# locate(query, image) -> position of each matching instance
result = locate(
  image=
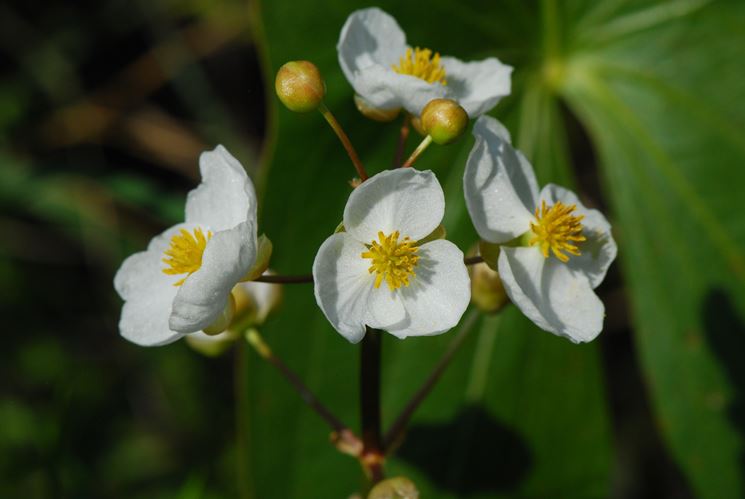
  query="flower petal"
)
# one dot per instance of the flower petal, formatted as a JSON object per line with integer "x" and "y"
{"x": 228, "y": 256}
{"x": 439, "y": 293}
{"x": 383, "y": 88}
{"x": 344, "y": 289}
{"x": 144, "y": 319}
{"x": 226, "y": 196}
{"x": 369, "y": 37}
{"x": 499, "y": 184}
{"x": 404, "y": 200}
{"x": 600, "y": 249}
{"x": 555, "y": 297}
{"x": 148, "y": 293}
{"x": 479, "y": 85}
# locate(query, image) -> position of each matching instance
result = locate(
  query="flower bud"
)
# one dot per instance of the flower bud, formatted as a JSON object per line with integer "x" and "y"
{"x": 224, "y": 319}
{"x": 212, "y": 346}
{"x": 438, "y": 233}
{"x": 487, "y": 290}
{"x": 263, "y": 255}
{"x": 299, "y": 86}
{"x": 394, "y": 488}
{"x": 490, "y": 253}
{"x": 444, "y": 120}
{"x": 373, "y": 113}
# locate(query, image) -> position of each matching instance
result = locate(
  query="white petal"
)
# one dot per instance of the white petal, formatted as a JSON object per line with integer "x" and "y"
{"x": 438, "y": 295}
{"x": 344, "y": 289}
{"x": 144, "y": 318}
{"x": 600, "y": 249}
{"x": 499, "y": 184}
{"x": 148, "y": 293}
{"x": 228, "y": 256}
{"x": 370, "y": 37}
{"x": 383, "y": 88}
{"x": 404, "y": 200}
{"x": 226, "y": 196}
{"x": 551, "y": 294}
{"x": 479, "y": 85}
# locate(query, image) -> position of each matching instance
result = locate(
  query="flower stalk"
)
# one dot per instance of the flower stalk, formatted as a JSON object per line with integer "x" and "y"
{"x": 395, "y": 433}
{"x": 419, "y": 150}
{"x": 254, "y": 338}
{"x": 405, "y": 128}
{"x": 339, "y": 131}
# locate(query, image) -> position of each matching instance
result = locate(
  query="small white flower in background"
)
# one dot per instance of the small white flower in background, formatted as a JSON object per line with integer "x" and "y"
{"x": 181, "y": 284}
{"x": 564, "y": 249}
{"x": 254, "y": 301}
{"x": 377, "y": 273}
{"x": 388, "y": 74}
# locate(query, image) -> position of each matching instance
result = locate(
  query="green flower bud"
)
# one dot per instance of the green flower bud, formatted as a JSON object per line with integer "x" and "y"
{"x": 263, "y": 255}
{"x": 490, "y": 253}
{"x": 224, "y": 319}
{"x": 487, "y": 291}
{"x": 394, "y": 488}
{"x": 444, "y": 120}
{"x": 299, "y": 86}
{"x": 214, "y": 345}
{"x": 373, "y": 113}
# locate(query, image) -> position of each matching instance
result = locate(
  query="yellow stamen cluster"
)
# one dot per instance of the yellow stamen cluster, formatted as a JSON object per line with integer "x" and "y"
{"x": 422, "y": 64}
{"x": 392, "y": 260}
{"x": 556, "y": 229}
{"x": 184, "y": 255}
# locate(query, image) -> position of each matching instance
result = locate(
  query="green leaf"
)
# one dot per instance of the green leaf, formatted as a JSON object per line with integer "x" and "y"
{"x": 534, "y": 401}
{"x": 659, "y": 88}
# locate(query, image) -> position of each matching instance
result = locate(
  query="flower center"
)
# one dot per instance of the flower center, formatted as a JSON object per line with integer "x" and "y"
{"x": 184, "y": 255}
{"x": 556, "y": 229}
{"x": 391, "y": 260}
{"x": 422, "y": 64}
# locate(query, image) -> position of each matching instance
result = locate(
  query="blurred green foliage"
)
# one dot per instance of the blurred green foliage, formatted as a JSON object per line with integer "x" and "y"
{"x": 103, "y": 111}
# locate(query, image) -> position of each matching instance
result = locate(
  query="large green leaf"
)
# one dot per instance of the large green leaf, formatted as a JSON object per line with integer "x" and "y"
{"x": 520, "y": 412}
{"x": 659, "y": 87}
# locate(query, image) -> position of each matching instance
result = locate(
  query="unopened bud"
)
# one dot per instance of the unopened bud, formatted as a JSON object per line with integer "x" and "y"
{"x": 487, "y": 290}
{"x": 490, "y": 253}
{"x": 212, "y": 346}
{"x": 299, "y": 86}
{"x": 438, "y": 233}
{"x": 263, "y": 255}
{"x": 444, "y": 120}
{"x": 224, "y": 319}
{"x": 394, "y": 488}
{"x": 374, "y": 113}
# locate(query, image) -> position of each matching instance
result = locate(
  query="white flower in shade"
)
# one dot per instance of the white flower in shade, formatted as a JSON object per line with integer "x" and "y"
{"x": 182, "y": 282}
{"x": 379, "y": 272}
{"x": 563, "y": 250}
{"x": 254, "y": 301}
{"x": 388, "y": 74}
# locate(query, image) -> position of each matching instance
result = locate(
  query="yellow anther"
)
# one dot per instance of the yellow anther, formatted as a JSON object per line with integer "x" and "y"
{"x": 184, "y": 255}
{"x": 392, "y": 260}
{"x": 556, "y": 229}
{"x": 422, "y": 64}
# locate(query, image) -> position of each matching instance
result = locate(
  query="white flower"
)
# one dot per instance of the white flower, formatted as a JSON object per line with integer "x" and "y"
{"x": 377, "y": 273}
{"x": 182, "y": 282}
{"x": 565, "y": 248}
{"x": 388, "y": 74}
{"x": 253, "y": 303}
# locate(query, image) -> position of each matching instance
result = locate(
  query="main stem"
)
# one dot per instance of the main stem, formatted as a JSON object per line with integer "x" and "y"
{"x": 372, "y": 450}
